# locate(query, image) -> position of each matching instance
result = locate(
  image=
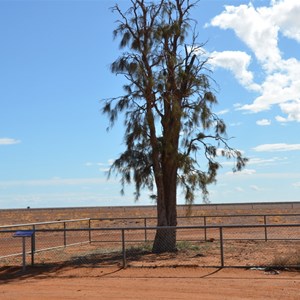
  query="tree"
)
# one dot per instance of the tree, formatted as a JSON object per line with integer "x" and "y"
{"x": 167, "y": 109}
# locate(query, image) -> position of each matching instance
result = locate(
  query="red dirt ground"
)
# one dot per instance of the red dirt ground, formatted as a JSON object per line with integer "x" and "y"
{"x": 96, "y": 282}
{"x": 149, "y": 283}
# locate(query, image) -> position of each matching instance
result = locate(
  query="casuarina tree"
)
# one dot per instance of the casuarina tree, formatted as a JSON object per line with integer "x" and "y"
{"x": 172, "y": 136}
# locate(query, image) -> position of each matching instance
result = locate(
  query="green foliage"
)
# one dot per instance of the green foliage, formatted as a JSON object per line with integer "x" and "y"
{"x": 168, "y": 102}
{"x": 142, "y": 247}
{"x": 185, "y": 245}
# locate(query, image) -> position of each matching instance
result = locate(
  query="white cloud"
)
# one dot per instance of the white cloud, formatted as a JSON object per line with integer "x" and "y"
{"x": 259, "y": 29}
{"x": 9, "y": 141}
{"x": 88, "y": 164}
{"x": 264, "y": 162}
{"x": 263, "y": 122}
{"x": 111, "y": 161}
{"x": 280, "y": 88}
{"x": 237, "y": 62}
{"x": 237, "y": 105}
{"x": 254, "y": 28}
{"x": 286, "y": 15}
{"x": 281, "y": 119}
{"x": 255, "y": 188}
{"x": 104, "y": 167}
{"x": 239, "y": 189}
{"x": 277, "y": 147}
{"x": 243, "y": 172}
{"x": 222, "y": 112}
{"x": 235, "y": 124}
{"x": 296, "y": 184}
{"x": 52, "y": 182}
{"x": 292, "y": 109}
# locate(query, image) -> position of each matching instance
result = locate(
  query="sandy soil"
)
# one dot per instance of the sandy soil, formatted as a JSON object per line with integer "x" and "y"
{"x": 96, "y": 281}
{"x": 148, "y": 283}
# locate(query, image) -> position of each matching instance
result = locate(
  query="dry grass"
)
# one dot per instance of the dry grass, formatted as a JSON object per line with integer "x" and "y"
{"x": 284, "y": 260}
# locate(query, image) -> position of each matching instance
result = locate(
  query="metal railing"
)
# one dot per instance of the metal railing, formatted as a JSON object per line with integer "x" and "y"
{"x": 57, "y": 235}
{"x": 219, "y": 237}
{"x": 223, "y": 238}
{"x": 206, "y": 220}
{"x": 6, "y": 235}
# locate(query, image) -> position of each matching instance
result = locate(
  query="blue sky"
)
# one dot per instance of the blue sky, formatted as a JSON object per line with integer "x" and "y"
{"x": 54, "y": 71}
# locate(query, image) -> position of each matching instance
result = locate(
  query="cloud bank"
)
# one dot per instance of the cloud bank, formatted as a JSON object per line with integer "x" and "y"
{"x": 277, "y": 147}
{"x": 260, "y": 29}
{"x": 9, "y": 141}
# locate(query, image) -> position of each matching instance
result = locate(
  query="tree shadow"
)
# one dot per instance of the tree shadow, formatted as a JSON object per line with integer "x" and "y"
{"x": 212, "y": 273}
{"x": 96, "y": 260}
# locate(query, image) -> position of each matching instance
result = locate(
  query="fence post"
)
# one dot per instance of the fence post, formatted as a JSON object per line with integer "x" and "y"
{"x": 65, "y": 235}
{"x": 124, "y": 249}
{"x": 266, "y": 232}
{"x": 221, "y": 247}
{"x": 24, "y": 253}
{"x": 32, "y": 245}
{"x": 145, "y": 224}
{"x": 90, "y": 233}
{"x": 205, "y": 232}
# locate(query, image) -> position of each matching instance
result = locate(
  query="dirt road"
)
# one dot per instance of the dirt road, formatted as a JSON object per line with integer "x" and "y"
{"x": 149, "y": 283}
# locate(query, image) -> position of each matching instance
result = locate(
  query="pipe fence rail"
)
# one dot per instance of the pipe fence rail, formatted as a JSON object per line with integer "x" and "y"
{"x": 222, "y": 245}
{"x": 211, "y": 219}
{"x": 245, "y": 219}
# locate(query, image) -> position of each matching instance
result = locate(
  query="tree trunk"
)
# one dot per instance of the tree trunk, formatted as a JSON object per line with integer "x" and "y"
{"x": 165, "y": 238}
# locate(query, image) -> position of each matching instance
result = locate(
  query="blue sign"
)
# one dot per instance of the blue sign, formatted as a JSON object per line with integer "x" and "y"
{"x": 23, "y": 233}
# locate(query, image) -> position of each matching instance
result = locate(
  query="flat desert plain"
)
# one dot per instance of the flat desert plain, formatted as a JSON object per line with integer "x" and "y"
{"x": 88, "y": 282}
{"x": 19, "y": 216}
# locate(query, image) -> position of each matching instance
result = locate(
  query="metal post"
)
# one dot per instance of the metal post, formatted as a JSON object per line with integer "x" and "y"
{"x": 145, "y": 224}
{"x": 221, "y": 247}
{"x": 65, "y": 235}
{"x": 266, "y": 232}
{"x": 24, "y": 253}
{"x": 124, "y": 249}
{"x": 205, "y": 232}
{"x": 33, "y": 245}
{"x": 90, "y": 233}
